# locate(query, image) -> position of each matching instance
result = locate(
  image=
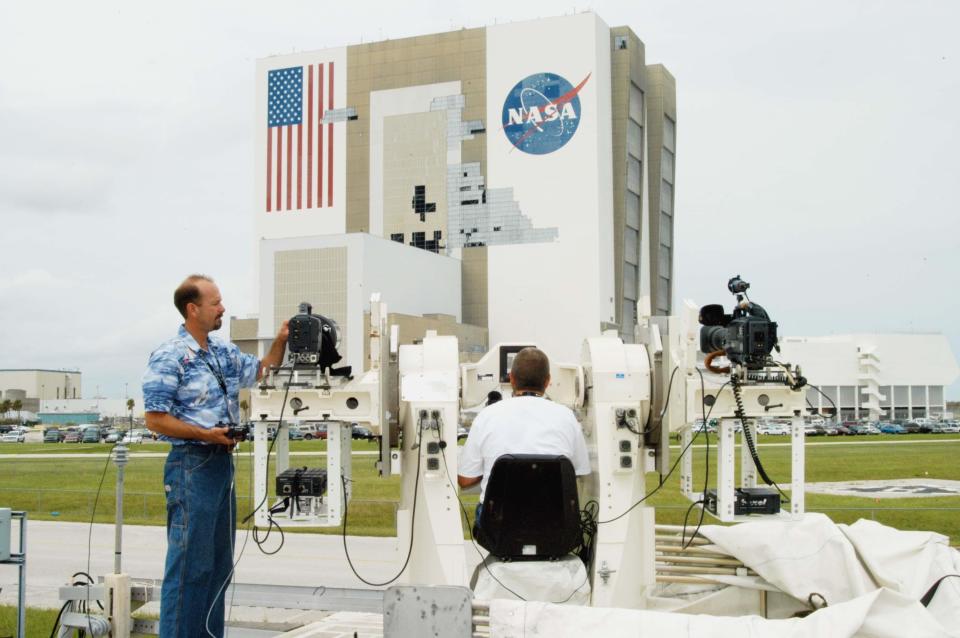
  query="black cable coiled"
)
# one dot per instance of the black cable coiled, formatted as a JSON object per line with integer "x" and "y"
{"x": 740, "y": 412}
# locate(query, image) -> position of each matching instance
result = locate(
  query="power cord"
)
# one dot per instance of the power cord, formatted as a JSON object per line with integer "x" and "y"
{"x": 928, "y": 597}
{"x": 266, "y": 494}
{"x": 413, "y": 520}
{"x": 748, "y": 437}
{"x": 706, "y": 473}
{"x": 230, "y": 495}
{"x": 93, "y": 515}
{"x": 663, "y": 481}
{"x": 662, "y": 411}
{"x": 836, "y": 412}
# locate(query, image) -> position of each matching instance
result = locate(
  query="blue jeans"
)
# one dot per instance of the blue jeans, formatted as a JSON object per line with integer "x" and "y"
{"x": 201, "y": 523}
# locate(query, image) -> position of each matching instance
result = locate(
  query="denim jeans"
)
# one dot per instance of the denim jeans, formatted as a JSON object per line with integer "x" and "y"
{"x": 201, "y": 523}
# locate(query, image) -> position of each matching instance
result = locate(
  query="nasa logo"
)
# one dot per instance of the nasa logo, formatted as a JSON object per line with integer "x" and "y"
{"x": 542, "y": 112}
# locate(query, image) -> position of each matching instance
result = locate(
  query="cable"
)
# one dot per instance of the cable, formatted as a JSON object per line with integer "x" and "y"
{"x": 266, "y": 493}
{"x": 662, "y": 411}
{"x": 683, "y": 536}
{"x": 748, "y": 437}
{"x": 93, "y": 514}
{"x": 413, "y": 520}
{"x": 232, "y": 540}
{"x": 56, "y": 623}
{"x": 928, "y": 597}
{"x": 663, "y": 481}
{"x": 836, "y": 412}
{"x": 706, "y": 472}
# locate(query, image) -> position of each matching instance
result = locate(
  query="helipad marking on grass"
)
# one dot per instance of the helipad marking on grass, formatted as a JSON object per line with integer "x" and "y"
{"x": 889, "y": 488}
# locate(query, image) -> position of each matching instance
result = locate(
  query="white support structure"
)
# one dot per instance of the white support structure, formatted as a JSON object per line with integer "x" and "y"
{"x": 303, "y": 394}
{"x": 429, "y": 404}
{"x": 748, "y": 469}
{"x": 759, "y": 399}
{"x": 619, "y": 377}
{"x": 797, "y": 467}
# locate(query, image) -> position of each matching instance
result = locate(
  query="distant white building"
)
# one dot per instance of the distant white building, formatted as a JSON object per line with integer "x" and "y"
{"x": 877, "y": 376}
{"x": 30, "y": 386}
{"x": 101, "y": 407}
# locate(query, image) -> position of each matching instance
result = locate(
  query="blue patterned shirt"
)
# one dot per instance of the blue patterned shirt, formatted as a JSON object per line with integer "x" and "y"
{"x": 184, "y": 380}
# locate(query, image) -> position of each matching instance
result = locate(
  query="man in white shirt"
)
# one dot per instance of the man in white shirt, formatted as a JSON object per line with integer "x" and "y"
{"x": 527, "y": 423}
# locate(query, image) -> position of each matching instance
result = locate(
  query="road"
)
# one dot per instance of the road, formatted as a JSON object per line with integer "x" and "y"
{"x": 56, "y": 550}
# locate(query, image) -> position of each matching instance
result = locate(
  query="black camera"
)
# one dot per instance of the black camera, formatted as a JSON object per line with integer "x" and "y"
{"x": 236, "y": 431}
{"x": 313, "y": 341}
{"x": 746, "y": 336}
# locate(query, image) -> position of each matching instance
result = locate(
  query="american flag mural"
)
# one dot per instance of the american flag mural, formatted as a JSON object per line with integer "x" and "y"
{"x": 299, "y": 146}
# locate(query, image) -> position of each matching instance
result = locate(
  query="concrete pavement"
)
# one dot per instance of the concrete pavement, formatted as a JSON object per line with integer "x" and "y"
{"x": 56, "y": 550}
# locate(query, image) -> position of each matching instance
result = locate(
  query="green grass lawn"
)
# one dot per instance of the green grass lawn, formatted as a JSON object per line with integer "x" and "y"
{"x": 39, "y": 621}
{"x": 64, "y": 489}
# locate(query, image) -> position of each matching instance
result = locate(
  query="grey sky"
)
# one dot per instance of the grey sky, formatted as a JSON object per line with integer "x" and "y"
{"x": 816, "y": 157}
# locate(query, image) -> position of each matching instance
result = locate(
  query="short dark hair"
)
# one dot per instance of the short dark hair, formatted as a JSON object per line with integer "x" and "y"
{"x": 530, "y": 370}
{"x": 188, "y": 292}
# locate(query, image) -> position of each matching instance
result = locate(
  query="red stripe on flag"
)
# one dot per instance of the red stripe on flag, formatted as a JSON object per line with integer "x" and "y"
{"x": 269, "y": 163}
{"x": 310, "y": 137}
{"x": 289, "y": 163}
{"x": 279, "y": 165}
{"x": 320, "y": 139}
{"x": 299, "y": 165}
{"x": 330, "y": 147}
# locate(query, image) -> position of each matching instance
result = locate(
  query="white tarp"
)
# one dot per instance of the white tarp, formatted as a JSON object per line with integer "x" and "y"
{"x": 561, "y": 581}
{"x": 843, "y": 562}
{"x": 879, "y": 614}
{"x": 871, "y": 576}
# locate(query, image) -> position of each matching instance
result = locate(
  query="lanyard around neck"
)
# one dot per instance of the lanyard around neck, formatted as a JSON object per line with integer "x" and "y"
{"x": 217, "y": 374}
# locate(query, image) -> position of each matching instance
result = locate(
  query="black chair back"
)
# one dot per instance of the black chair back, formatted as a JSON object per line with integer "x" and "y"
{"x": 530, "y": 508}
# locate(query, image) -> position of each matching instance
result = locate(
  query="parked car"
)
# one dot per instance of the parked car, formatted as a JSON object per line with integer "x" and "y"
{"x": 132, "y": 437}
{"x": 71, "y": 436}
{"x": 361, "y": 432}
{"x": 53, "y": 435}
{"x": 814, "y": 430}
{"x": 294, "y": 433}
{"x": 913, "y": 427}
{"x": 112, "y": 437}
{"x": 462, "y": 432}
{"x": 891, "y": 428}
{"x": 314, "y": 430}
{"x": 869, "y": 428}
{"x": 12, "y": 437}
{"x": 950, "y": 427}
{"x": 90, "y": 435}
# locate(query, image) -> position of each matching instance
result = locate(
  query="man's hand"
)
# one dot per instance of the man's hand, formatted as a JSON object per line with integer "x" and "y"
{"x": 218, "y": 436}
{"x": 275, "y": 356}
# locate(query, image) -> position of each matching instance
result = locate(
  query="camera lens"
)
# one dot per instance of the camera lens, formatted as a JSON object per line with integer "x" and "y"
{"x": 712, "y": 338}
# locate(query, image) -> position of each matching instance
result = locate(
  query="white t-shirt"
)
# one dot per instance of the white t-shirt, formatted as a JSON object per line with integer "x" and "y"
{"x": 522, "y": 425}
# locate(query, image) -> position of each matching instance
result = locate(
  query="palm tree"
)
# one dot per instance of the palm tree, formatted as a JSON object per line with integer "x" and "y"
{"x": 130, "y": 410}
{"x": 4, "y": 408}
{"x": 18, "y": 405}
{"x": 244, "y": 406}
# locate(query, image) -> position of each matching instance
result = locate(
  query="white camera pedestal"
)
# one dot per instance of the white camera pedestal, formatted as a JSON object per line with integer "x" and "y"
{"x": 759, "y": 400}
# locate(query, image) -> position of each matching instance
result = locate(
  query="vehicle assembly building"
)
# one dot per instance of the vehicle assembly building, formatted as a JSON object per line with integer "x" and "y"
{"x": 510, "y": 178}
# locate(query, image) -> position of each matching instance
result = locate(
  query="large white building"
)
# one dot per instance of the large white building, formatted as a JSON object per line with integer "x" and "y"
{"x": 30, "y": 386}
{"x": 877, "y": 376}
{"x": 535, "y": 160}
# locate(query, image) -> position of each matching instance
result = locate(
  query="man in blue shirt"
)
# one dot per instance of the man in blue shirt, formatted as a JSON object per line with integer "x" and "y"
{"x": 190, "y": 392}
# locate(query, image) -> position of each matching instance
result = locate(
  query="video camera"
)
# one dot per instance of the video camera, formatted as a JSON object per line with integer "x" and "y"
{"x": 313, "y": 341}
{"x": 746, "y": 337}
